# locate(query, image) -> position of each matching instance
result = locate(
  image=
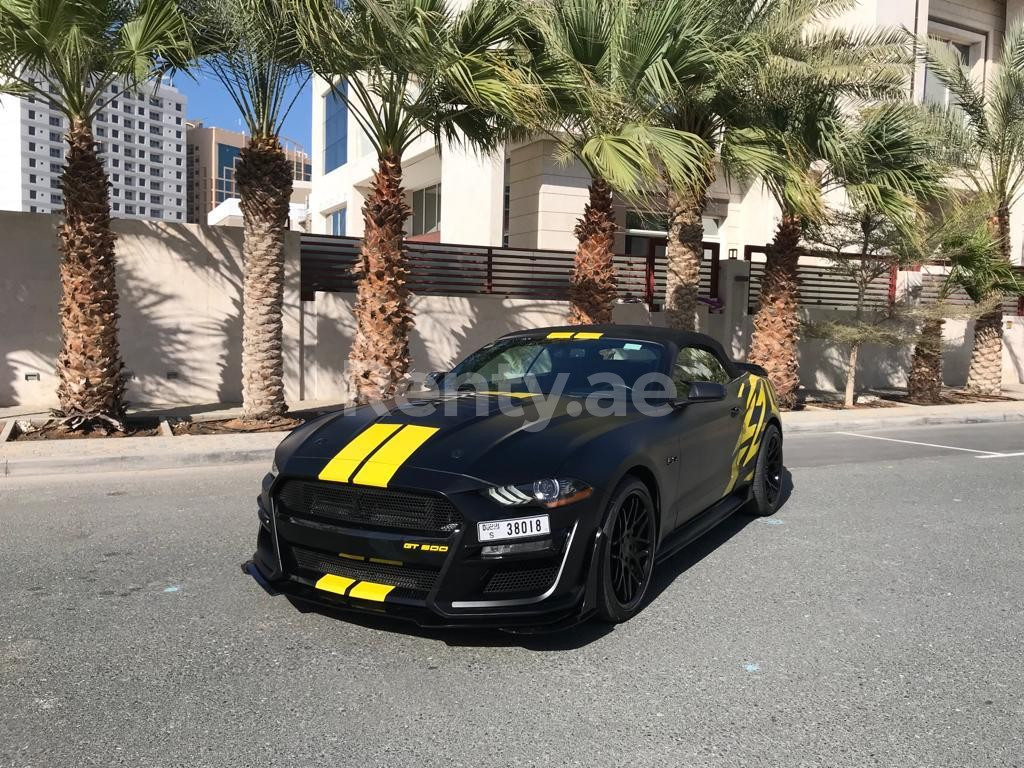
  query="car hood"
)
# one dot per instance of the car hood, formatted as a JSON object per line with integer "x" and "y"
{"x": 474, "y": 439}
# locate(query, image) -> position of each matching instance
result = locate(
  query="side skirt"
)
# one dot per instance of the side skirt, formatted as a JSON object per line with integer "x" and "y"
{"x": 702, "y": 523}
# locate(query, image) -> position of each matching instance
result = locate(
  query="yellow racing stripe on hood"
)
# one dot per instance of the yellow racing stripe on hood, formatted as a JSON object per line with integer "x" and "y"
{"x": 340, "y": 468}
{"x": 383, "y": 464}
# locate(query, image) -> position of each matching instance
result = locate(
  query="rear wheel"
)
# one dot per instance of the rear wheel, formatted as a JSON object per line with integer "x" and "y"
{"x": 626, "y": 561}
{"x": 767, "y": 486}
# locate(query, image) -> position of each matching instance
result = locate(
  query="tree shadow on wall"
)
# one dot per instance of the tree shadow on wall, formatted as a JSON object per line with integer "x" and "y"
{"x": 442, "y": 332}
{"x": 192, "y": 329}
{"x": 30, "y": 325}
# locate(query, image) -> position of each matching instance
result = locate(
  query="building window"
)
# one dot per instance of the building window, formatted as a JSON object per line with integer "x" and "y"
{"x": 968, "y": 46}
{"x": 337, "y": 221}
{"x": 426, "y": 210}
{"x": 335, "y": 129}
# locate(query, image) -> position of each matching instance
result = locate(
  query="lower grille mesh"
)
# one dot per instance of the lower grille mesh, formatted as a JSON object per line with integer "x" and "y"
{"x": 521, "y": 579}
{"x": 409, "y": 577}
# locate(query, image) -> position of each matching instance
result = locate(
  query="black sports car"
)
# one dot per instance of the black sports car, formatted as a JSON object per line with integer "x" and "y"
{"x": 534, "y": 485}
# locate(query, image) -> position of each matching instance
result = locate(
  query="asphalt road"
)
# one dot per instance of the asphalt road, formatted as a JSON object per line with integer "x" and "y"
{"x": 876, "y": 620}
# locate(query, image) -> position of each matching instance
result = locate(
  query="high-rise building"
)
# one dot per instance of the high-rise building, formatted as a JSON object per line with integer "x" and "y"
{"x": 141, "y": 138}
{"x": 212, "y": 155}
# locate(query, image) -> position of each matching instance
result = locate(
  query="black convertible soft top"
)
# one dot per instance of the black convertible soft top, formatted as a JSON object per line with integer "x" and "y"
{"x": 669, "y": 336}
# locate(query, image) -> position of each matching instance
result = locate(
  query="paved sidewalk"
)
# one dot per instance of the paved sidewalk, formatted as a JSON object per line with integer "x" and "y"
{"x": 148, "y": 453}
{"x": 830, "y": 420}
{"x": 47, "y": 457}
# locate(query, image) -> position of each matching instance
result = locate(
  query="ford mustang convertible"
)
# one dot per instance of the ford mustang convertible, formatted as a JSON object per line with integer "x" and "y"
{"x": 535, "y": 485}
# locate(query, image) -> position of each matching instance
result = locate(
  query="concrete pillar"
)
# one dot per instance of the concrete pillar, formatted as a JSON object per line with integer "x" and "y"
{"x": 472, "y": 196}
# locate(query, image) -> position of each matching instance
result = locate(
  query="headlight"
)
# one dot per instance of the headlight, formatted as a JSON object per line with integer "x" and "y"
{"x": 548, "y": 493}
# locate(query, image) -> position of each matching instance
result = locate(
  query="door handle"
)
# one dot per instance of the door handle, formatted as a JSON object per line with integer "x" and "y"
{"x": 735, "y": 410}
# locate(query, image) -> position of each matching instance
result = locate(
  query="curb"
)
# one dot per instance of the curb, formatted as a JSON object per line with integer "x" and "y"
{"x": 133, "y": 462}
{"x": 917, "y": 420}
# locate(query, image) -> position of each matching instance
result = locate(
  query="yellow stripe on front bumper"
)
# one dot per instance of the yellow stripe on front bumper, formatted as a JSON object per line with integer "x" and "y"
{"x": 379, "y": 469}
{"x": 340, "y": 468}
{"x": 368, "y": 590}
{"x": 335, "y": 584}
{"x": 560, "y": 335}
{"x": 588, "y": 335}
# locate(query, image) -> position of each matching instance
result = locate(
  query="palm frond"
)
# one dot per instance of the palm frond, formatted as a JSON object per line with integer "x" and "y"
{"x": 68, "y": 52}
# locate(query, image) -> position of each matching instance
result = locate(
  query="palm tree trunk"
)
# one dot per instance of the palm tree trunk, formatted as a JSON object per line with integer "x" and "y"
{"x": 265, "y": 185}
{"x": 683, "y": 253}
{"x": 592, "y": 285}
{"x": 777, "y": 322}
{"x": 851, "y": 375}
{"x": 89, "y": 369}
{"x": 985, "y": 375}
{"x": 379, "y": 359}
{"x": 924, "y": 385}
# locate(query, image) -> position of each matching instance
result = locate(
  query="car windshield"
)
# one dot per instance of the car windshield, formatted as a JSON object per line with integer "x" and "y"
{"x": 570, "y": 366}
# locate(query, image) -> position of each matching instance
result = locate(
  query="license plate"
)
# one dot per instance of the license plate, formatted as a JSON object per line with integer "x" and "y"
{"x": 515, "y": 528}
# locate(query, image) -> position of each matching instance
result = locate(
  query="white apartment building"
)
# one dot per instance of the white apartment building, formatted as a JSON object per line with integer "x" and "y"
{"x": 523, "y": 198}
{"x": 141, "y": 137}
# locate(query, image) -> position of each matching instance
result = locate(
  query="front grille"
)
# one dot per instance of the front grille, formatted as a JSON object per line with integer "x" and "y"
{"x": 371, "y": 507}
{"x": 520, "y": 579}
{"x": 408, "y": 577}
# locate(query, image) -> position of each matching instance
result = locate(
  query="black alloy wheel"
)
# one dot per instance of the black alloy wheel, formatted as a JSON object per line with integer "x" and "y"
{"x": 627, "y": 561}
{"x": 767, "y": 485}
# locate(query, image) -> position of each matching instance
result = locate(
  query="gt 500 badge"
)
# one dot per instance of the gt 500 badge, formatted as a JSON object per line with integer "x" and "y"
{"x": 425, "y": 547}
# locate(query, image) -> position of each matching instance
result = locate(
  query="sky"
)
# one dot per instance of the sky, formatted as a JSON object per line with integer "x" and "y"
{"x": 209, "y": 102}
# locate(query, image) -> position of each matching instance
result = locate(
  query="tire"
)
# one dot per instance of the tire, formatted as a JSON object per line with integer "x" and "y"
{"x": 767, "y": 485}
{"x": 626, "y": 559}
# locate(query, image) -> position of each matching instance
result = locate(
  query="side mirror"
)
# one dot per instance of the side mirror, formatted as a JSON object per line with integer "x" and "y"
{"x": 705, "y": 392}
{"x": 433, "y": 379}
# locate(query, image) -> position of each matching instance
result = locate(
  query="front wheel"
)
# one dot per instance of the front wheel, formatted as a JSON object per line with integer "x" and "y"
{"x": 767, "y": 485}
{"x": 626, "y": 561}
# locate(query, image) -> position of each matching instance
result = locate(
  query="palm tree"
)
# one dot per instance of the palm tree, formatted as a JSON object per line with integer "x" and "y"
{"x": 882, "y": 159}
{"x": 77, "y": 56}
{"x": 966, "y": 241}
{"x": 765, "y": 47}
{"x": 252, "y": 49}
{"x": 984, "y": 125}
{"x": 609, "y": 68}
{"x": 408, "y": 69}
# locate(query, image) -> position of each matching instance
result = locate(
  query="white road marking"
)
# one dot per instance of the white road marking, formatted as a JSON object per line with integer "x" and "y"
{"x": 1000, "y": 455}
{"x": 987, "y": 454}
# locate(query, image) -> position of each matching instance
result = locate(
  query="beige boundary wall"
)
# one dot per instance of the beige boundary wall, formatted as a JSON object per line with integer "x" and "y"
{"x": 181, "y": 289}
